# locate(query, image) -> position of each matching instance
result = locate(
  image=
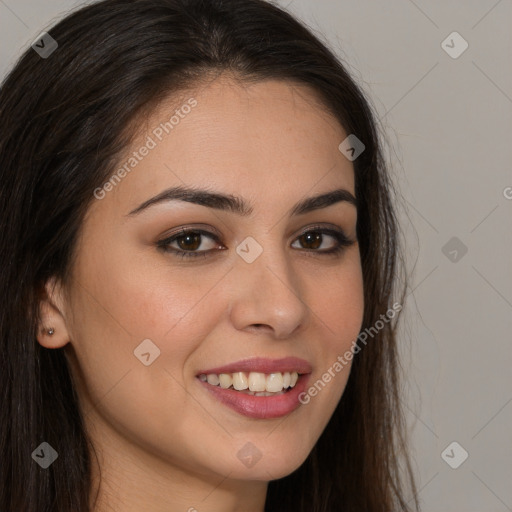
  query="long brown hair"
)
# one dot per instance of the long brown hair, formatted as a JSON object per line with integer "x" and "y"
{"x": 64, "y": 120}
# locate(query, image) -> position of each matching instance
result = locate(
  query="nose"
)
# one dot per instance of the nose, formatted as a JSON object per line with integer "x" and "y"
{"x": 267, "y": 296}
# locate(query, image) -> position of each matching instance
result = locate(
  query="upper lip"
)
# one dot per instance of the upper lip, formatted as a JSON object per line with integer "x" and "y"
{"x": 262, "y": 365}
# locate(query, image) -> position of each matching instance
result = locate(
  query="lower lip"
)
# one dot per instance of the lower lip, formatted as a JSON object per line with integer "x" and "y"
{"x": 260, "y": 407}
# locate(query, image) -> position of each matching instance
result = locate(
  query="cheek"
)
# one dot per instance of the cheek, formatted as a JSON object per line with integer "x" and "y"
{"x": 118, "y": 304}
{"x": 110, "y": 320}
{"x": 339, "y": 304}
{"x": 144, "y": 297}
{"x": 338, "y": 308}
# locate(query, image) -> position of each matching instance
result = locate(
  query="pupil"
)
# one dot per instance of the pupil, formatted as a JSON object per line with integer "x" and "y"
{"x": 313, "y": 238}
{"x": 188, "y": 238}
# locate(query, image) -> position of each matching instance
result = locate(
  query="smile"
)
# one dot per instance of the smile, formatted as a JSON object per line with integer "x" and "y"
{"x": 258, "y": 388}
{"x": 254, "y": 383}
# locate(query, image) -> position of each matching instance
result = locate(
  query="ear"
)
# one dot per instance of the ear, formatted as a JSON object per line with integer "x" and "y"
{"x": 52, "y": 319}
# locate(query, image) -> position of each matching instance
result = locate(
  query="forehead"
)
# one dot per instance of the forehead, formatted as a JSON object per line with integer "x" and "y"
{"x": 270, "y": 140}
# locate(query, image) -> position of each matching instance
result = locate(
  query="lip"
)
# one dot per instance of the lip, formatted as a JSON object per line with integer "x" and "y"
{"x": 261, "y": 407}
{"x": 262, "y": 365}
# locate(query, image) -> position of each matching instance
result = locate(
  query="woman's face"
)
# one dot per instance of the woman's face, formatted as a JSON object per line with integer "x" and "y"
{"x": 144, "y": 324}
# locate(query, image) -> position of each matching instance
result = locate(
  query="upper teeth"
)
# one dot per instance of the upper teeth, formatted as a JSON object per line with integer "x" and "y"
{"x": 254, "y": 381}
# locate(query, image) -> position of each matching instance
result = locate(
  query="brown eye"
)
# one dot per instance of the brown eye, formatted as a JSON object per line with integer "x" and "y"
{"x": 312, "y": 237}
{"x": 188, "y": 243}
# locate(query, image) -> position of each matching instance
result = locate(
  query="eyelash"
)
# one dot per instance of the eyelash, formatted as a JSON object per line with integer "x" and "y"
{"x": 342, "y": 242}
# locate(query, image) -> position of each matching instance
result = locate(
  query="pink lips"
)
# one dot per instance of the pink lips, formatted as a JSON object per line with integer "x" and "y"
{"x": 261, "y": 407}
{"x": 263, "y": 365}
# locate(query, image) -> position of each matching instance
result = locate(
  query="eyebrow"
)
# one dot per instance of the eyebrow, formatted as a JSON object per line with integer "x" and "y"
{"x": 232, "y": 203}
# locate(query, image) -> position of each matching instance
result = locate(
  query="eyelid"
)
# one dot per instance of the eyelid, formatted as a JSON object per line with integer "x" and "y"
{"x": 204, "y": 229}
{"x": 324, "y": 226}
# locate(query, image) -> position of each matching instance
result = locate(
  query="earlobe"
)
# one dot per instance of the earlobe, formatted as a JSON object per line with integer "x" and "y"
{"x": 52, "y": 331}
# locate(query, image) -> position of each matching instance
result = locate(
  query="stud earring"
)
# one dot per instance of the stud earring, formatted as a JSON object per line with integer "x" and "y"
{"x": 50, "y": 331}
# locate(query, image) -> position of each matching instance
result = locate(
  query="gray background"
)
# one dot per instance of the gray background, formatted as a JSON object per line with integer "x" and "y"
{"x": 449, "y": 123}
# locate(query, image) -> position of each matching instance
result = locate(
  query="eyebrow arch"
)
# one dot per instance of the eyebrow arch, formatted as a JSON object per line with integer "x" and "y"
{"x": 229, "y": 202}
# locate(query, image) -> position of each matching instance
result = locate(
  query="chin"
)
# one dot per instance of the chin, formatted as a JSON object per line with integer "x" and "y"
{"x": 269, "y": 463}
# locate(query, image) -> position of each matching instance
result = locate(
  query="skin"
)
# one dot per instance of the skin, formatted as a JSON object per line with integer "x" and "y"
{"x": 163, "y": 443}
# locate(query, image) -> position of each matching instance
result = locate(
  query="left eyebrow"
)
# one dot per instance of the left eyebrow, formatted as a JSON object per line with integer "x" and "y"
{"x": 235, "y": 204}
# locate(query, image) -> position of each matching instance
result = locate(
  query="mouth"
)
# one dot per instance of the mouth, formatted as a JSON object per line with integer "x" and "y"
{"x": 254, "y": 383}
{"x": 258, "y": 388}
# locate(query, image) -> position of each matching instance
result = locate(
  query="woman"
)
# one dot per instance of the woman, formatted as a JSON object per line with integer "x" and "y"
{"x": 199, "y": 266}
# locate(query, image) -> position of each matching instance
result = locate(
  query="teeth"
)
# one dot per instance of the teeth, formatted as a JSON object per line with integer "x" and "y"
{"x": 240, "y": 381}
{"x": 275, "y": 382}
{"x": 257, "y": 381}
{"x": 225, "y": 380}
{"x": 212, "y": 379}
{"x": 254, "y": 383}
{"x": 267, "y": 393}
